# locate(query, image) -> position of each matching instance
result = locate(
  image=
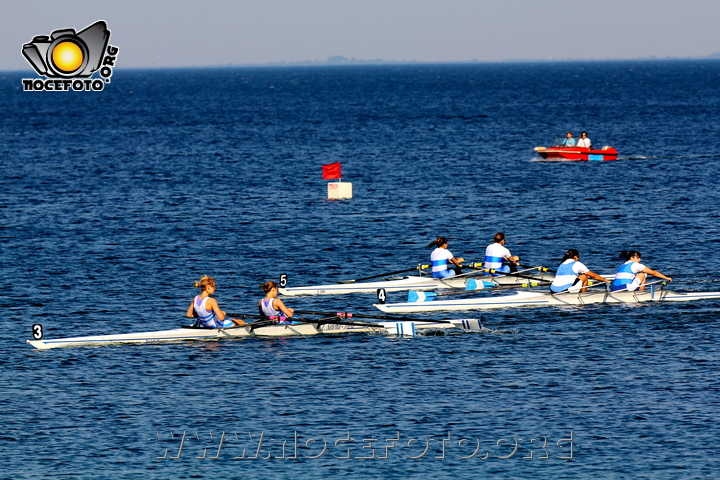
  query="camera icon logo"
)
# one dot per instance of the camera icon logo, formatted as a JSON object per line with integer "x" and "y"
{"x": 68, "y": 54}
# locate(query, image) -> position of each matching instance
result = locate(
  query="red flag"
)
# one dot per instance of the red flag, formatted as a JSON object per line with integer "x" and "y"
{"x": 331, "y": 171}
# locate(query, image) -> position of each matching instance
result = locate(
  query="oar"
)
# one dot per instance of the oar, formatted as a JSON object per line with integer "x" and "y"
{"x": 542, "y": 269}
{"x": 477, "y": 269}
{"x": 624, "y": 289}
{"x": 341, "y": 319}
{"x": 265, "y": 321}
{"x": 419, "y": 267}
{"x": 599, "y": 283}
{"x": 379, "y": 317}
{"x": 262, "y": 321}
{"x": 500, "y": 272}
{"x": 244, "y": 315}
{"x": 470, "y": 285}
{"x": 414, "y": 296}
{"x": 519, "y": 273}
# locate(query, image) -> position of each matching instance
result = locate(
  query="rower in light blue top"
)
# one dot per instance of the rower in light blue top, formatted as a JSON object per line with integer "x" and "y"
{"x": 441, "y": 257}
{"x": 572, "y": 275}
{"x": 206, "y": 308}
{"x": 632, "y": 274}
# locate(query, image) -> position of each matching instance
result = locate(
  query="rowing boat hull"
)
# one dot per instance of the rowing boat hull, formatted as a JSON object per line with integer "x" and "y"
{"x": 214, "y": 334}
{"x": 536, "y": 299}
{"x": 413, "y": 283}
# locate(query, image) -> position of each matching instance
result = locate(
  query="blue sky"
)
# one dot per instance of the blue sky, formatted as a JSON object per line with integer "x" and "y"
{"x": 182, "y": 33}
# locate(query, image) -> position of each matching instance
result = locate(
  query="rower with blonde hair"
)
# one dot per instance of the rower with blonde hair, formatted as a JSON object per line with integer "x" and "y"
{"x": 206, "y": 308}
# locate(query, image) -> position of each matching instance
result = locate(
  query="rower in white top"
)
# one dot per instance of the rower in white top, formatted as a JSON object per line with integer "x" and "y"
{"x": 206, "y": 309}
{"x": 572, "y": 275}
{"x": 441, "y": 256}
{"x": 632, "y": 274}
{"x": 499, "y": 258}
{"x": 273, "y": 307}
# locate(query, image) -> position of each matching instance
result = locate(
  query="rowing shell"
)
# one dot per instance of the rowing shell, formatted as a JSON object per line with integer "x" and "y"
{"x": 283, "y": 330}
{"x": 536, "y": 299}
{"x": 414, "y": 282}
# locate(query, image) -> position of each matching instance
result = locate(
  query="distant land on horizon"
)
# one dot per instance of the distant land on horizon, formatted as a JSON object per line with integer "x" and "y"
{"x": 341, "y": 60}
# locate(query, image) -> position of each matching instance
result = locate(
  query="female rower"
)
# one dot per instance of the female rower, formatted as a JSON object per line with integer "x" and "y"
{"x": 440, "y": 257}
{"x": 498, "y": 257}
{"x": 271, "y": 306}
{"x": 206, "y": 309}
{"x": 572, "y": 275}
{"x": 632, "y": 274}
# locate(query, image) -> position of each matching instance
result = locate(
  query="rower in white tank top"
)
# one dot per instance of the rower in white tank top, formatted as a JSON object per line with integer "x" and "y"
{"x": 206, "y": 308}
{"x": 271, "y": 306}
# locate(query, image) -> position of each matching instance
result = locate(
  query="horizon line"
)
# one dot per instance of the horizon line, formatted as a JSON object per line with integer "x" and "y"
{"x": 339, "y": 60}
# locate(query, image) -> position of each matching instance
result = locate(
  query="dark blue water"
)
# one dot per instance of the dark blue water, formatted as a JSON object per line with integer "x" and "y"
{"x": 113, "y": 202}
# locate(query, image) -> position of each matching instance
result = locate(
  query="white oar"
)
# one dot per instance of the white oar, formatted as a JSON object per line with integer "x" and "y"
{"x": 420, "y": 267}
{"x": 605, "y": 284}
{"x": 624, "y": 289}
{"x": 520, "y": 273}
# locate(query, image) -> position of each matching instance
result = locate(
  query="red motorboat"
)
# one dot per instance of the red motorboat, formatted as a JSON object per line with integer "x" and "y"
{"x": 561, "y": 151}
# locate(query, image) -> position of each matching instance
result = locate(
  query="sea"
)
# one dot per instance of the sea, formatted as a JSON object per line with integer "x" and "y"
{"x": 114, "y": 202}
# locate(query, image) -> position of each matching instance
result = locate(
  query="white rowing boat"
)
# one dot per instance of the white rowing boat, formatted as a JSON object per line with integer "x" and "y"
{"x": 282, "y": 330}
{"x": 538, "y": 299}
{"x": 416, "y": 282}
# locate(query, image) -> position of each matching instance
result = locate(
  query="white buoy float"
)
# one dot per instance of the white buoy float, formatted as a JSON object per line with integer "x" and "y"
{"x": 338, "y": 190}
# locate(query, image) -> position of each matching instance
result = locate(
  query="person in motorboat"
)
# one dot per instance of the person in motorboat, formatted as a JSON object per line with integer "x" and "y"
{"x": 271, "y": 306}
{"x": 498, "y": 257}
{"x": 572, "y": 275}
{"x": 569, "y": 140}
{"x": 441, "y": 256}
{"x": 632, "y": 274}
{"x": 206, "y": 309}
{"x": 584, "y": 141}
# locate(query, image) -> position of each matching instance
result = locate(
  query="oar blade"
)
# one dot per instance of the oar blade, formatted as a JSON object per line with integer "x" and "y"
{"x": 473, "y": 284}
{"x": 405, "y": 329}
{"x": 414, "y": 296}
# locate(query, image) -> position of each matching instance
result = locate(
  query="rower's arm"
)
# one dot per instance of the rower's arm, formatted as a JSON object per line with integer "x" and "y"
{"x": 289, "y": 312}
{"x": 655, "y": 273}
{"x": 597, "y": 277}
{"x": 212, "y": 303}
